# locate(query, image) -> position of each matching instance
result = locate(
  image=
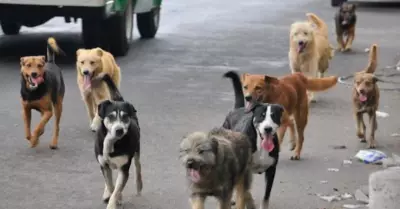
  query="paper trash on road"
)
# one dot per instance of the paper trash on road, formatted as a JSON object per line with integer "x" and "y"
{"x": 391, "y": 161}
{"x": 333, "y": 169}
{"x": 336, "y": 197}
{"x": 361, "y": 197}
{"x": 347, "y": 162}
{"x": 370, "y": 156}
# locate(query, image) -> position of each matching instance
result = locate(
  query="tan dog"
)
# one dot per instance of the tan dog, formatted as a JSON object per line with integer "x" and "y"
{"x": 309, "y": 50}
{"x": 289, "y": 91}
{"x": 91, "y": 62}
{"x": 366, "y": 98}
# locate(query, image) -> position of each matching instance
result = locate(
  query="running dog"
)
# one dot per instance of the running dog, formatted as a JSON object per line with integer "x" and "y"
{"x": 117, "y": 142}
{"x": 90, "y": 63}
{"x": 217, "y": 163}
{"x": 42, "y": 89}
{"x": 366, "y": 98}
{"x": 345, "y": 22}
{"x": 310, "y": 51}
{"x": 260, "y": 122}
{"x": 290, "y": 91}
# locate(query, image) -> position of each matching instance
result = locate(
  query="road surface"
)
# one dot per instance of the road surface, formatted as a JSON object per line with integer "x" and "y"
{"x": 175, "y": 83}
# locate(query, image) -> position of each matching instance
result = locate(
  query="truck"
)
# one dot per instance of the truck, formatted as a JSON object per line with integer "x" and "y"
{"x": 105, "y": 23}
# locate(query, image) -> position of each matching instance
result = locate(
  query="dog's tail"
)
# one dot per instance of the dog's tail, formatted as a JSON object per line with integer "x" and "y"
{"x": 114, "y": 91}
{"x": 321, "y": 25}
{"x": 237, "y": 88}
{"x": 321, "y": 84}
{"x": 53, "y": 49}
{"x": 373, "y": 59}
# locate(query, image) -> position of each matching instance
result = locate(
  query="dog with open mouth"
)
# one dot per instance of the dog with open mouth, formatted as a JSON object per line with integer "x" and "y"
{"x": 345, "y": 23}
{"x": 42, "y": 89}
{"x": 260, "y": 123}
{"x": 218, "y": 163}
{"x": 309, "y": 50}
{"x": 366, "y": 98}
{"x": 117, "y": 143}
{"x": 89, "y": 64}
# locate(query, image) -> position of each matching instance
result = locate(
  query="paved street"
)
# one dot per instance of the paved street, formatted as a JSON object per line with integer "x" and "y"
{"x": 175, "y": 83}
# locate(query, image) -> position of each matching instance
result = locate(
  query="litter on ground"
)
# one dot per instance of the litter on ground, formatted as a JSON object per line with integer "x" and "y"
{"x": 370, "y": 156}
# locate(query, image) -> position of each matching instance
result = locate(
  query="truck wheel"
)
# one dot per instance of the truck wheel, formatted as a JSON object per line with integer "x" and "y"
{"x": 93, "y": 33}
{"x": 120, "y": 27}
{"x": 148, "y": 23}
{"x": 10, "y": 28}
{"x": 336, "y": 3}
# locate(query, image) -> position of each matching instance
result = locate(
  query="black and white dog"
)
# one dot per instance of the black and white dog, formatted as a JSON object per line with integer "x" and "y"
{"x": 117, "y": 142}
{"x": 260, "y": 122}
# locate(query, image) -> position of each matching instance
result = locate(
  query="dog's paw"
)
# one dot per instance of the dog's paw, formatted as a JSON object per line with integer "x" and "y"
{"x": 264, "y": 204}
{"x": 28, "y": 137}
{"x": 371, "y": 145}
{"x": 292, "y": 146}
{"x": 361, "y": 135}
{"x": 34, "y": 141}
{"x": 53, "y": 146}
{"x": 106, "y": 195}
{"x": 347, "y": 49}
{"x": 295, "y": 157}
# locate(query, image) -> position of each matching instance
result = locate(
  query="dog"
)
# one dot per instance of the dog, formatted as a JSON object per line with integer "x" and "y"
{"x": 365, "y": 98}
{"x": 217, "y": 163}
{"x": 91, "y": 62}
{"x": 42, "y": 89}
{"x": 260, "y": 122}
{"x": 310, "y": 51}
{"x": 290, "y": 91}
{"x": 345, "y": 23}
{"x": 117, "y": 142}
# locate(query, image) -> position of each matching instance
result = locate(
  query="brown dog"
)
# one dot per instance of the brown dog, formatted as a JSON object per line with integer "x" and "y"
{"x": 289, "y": 91}
{"x": 345, "y": 22}
{"x": 366, "y": 98}
{"x": 89, "y": 64}
{"x": 42, "y": 89}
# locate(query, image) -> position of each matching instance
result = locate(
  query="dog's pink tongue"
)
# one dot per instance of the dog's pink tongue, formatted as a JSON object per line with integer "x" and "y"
{"x": 268, "y": 143}
{"x": 86, "y": 82}
{"x": 195, "y": 175}
{"x": 37, "y": 80}
{"x": 362, "y": 98}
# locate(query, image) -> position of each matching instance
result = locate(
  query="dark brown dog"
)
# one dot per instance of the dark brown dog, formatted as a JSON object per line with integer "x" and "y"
{"x": 366, "y": 98}
{"x": 42, "y": 89}
{"x": 345, "y": 21}
{"x": 290, "y": 91}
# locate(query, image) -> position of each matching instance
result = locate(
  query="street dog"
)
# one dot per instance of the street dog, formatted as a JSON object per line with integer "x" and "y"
{"x": 91, "y": 62}
{"x": 117, "y": 142}
{"x": 42, "y": 89}
{"x": 345, "y": 23}
{"x": 260, "y": 122}
{"x": 290, "y": 91}
{"x": 310, "y": 51}
{"x": 217, "y": 163}
{"x": 366, "y": 98}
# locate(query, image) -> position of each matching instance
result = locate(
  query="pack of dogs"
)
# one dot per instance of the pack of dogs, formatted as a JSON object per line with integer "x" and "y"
{"x": 222, "y": 161}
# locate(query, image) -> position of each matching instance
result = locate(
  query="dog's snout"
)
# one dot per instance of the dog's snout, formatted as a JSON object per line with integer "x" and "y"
{"x": 268, "y": 130}
{"x": 190, "y": 163}
{"x": 362, "y": 91}
{"x": 86, "y": 72}
{"x": 248, "y": 98}
{"x": 119, "y": 132}
{"x": 34, "y": 75}
{"x": 301, "y": 42}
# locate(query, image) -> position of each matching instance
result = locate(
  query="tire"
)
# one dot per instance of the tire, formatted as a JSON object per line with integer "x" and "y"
{"x": 120, "y": 27}
{"x": 148, "y": 23}
{"x": 10, "y": 28}
{"x": 93, "y": 33}
{"x": 336, "y": 3}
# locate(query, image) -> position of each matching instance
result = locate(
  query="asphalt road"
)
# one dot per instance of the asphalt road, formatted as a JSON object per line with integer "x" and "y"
{"x": 175, "y": 83}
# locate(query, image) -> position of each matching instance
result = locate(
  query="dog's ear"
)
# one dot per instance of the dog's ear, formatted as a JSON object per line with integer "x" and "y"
{"x": 270, "y": 80}
{"x": 375, "y": 79}
{"x": 99, "y": 52}
{"x": 243, "y": 76}
{"x": 102, "y": 107}
{"x": 131, "y": 109}
{"x": 22, "y": 61}
{"x": 214, "y": 144}
{"x": 42, "y": 58}
{"x": 352, "y": 7}
{"x": 79, "y": 51}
